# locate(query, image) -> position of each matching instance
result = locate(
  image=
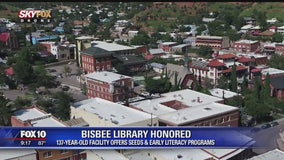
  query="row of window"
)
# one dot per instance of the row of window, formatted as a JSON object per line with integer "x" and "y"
{"x": 49, "y": 153}
{"x": 215, "y": 122}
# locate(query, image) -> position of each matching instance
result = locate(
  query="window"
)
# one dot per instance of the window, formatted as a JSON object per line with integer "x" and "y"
{"x": 47, "y": 154}
{"x": 64, "y": 151}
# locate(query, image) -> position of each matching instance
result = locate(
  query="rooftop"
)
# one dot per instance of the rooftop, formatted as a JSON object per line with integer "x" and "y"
{"x": 275, "y": 154}
{"x": 168, "y": 43}
{"x": 218, "y": 92}
{"x": 209, "y": 37}
{"x": 196, "y": 113}
{"x": 96, "y": 52}
{"x": 37, "y": 118}
{"x": 117, "y": 113}
{"x": 105, "y": 155}
{"x": 271, "y": 71}
{"x": 226, "y": 56}
{"x": 156, "y": 51}
{"x": 105, "y": 76}
{"x": 186, "y": 97}
{"x": 130, "y": 59}
{"x": 112, "y": 47}
{"x": 215, "y": 63}
{"x": 245, "y": 41}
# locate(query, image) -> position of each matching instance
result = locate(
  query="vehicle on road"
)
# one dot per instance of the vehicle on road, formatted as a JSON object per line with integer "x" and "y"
{"x": 255, "y": 129}
{"x": 264, "y": 126}
{"x": 274, "y": 123}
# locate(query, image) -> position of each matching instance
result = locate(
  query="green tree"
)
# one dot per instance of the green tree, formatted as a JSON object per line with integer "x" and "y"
{"x": 140, "y": 39}
{"x": 277, "y": 37}
{"x": 62, "y": 109}
{"x": 223, "y": 82}
{"x": 42, "y": 78}
{"x": 24, "y": 72}
{"x": 175, "y": 87}
{"x": 205, "y": 51}
{"x": 5, "y": 112}
{"x": 67, "y": 70}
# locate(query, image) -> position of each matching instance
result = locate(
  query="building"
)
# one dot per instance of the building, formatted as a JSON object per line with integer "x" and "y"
{"x": 117, "y": 49}
{"x": 132, "y": 34}
{"x": 157, "y": 52}
{"x": 182, "y": 48}
{"x": 167, "y": 46}
{"x": 222, "y": 93}
{"x": 110, "y": 86}
{"x": 132, "y": 63}
{"x": 189, "y": 108}
{"x": 181, "y": 74}
{"x": 82, "y": 43}
{"x": 105, "y": 155}
{"x": 271, "y": 155}
{"x": 277, "y": 86}
{"x": 246, "y": 46}
{"x": 100, "y": 112}
{"x": 250, "y": 20}
{"x": 24, "y": 154}
{"x": 279, "y": 48}
{"x": 157, "y": 67}
{"x": 34, "y": 117}
{"x": 8, "y": 40}
{"x": 280, "y": 29}
{"x": 216, "y": 42}
{"x": 96, "y": 59}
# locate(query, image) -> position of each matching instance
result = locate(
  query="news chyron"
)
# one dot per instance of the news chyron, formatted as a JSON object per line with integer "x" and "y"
{"x": 37, "y": 16}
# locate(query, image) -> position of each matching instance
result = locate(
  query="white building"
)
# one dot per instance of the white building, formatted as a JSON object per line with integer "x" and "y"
{"x": 280, "y": 29}
{"x": 100, "y": 112}
{"x": 222, "y": 93}
{"x": 104, "y": 155}
{"x": 275, "y": 154}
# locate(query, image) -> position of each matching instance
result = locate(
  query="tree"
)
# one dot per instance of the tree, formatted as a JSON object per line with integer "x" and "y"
{"x": 153, "y": 86}
{"x": 42, "y": 79}
{"x": 67, "y": 70}
{"x": 205, "y": 51}
{"x": 277, "y": 37}
{"x": 5, "y": 112}
{"x": 140, "y": 39}
{"x": 24, "y": 72}
{"x": 175, "y": 87}
{"x": 62, "y": 109}
{"x": 223, "y": 82}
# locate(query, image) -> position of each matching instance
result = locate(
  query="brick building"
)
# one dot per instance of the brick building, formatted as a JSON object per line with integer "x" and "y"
{"x": 34, "y": 117}
{"x": 96, "y": 59}
{"x": 216, "y": 42}
{"x": 246, "y": 46}
{"x": 190, "y": 108}
{"x": 110, "y": 86}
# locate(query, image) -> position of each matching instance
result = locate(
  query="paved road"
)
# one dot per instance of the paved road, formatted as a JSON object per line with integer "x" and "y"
{"x": 268, "y": 137}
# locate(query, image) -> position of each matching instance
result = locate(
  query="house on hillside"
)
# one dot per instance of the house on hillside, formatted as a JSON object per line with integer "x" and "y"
{"x": 277, "y": 86}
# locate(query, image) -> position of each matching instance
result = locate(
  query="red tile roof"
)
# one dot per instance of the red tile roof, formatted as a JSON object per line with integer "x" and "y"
{"x": 149, "y": 57}
{"x": 9, "y": 71}
{"x": 273, "y": 27}
{"x": 215, "y": 63}
{"x": 226, "y": 56}
{"x": 243, "y": 59}
{"x": 256, "y": 70}
{"x": 239, "y": 68}
{"x": 4, "y": 37}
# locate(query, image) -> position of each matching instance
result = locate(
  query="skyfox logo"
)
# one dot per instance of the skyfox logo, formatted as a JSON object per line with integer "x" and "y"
{"x": 34, "y": 15}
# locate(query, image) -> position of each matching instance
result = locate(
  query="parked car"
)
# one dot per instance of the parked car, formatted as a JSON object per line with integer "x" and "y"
{"x": 264, "y": 126}
{"x": 274, "y": 123}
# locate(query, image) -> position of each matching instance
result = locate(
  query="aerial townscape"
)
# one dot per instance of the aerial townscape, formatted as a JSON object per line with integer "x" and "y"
{"x": 151, "y": 64}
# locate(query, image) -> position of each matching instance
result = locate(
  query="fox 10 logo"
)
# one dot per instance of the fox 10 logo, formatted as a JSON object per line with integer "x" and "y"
{"x": 37, "y": 16}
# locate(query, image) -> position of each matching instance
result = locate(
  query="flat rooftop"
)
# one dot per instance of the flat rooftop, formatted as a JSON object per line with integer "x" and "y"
{"x": 186, "y": 97}
{"x": 218, "y": 92}
{"x": 245, "y": 41}
{"x": 209, "y": 37}
{"x": 110, "y": 111}
{"x": 105, "y": 155}
{"x": 271, "y": 71}
{"x": 37, "y": 118}
{"x": 112, "y": 47}
{"x": 105, "y": 76}
{"x": 275, "y": 154}
{"x": 196, "y": 113}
